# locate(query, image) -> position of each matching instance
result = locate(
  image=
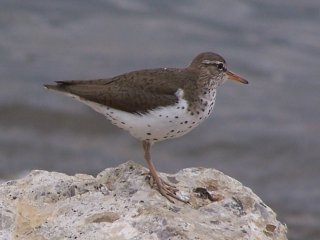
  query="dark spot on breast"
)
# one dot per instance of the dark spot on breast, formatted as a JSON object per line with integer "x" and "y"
{"x": 182, "y": 107}
{"x": 148, "y": 133}
{"x": 176, "y": 117}
{"x": 185, "y": 122}
{"x": 172, "y": 130}
{"x": 123, "y": 122}
{"x": 155, "y": 139}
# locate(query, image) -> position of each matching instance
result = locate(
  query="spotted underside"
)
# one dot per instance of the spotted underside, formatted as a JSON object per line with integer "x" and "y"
{"x": 161, "y": 123}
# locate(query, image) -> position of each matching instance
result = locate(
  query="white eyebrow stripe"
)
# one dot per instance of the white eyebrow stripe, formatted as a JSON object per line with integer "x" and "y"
{"x": 212, "y": 62}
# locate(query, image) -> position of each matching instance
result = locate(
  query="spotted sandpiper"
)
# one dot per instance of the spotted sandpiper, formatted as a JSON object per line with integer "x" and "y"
{"x": 155, "y": 104}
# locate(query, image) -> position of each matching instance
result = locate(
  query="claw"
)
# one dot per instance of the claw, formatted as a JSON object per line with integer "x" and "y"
{"x": 166, "y": 189}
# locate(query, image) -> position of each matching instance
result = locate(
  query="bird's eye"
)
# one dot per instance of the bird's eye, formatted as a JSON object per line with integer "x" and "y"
{"x": 220, "y": 66}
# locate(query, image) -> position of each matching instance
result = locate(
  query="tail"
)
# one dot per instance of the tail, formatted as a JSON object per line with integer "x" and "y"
{"x": 60, "y": 85}
{"x": 63, "y": 87}
{"x": 51, "y": 87}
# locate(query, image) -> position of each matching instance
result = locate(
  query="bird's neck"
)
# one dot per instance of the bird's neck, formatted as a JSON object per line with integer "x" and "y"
{"x": 203, "y": 94}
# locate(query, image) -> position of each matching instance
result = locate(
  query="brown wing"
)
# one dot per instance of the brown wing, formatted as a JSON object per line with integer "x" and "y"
{"x": 134, "y": 92}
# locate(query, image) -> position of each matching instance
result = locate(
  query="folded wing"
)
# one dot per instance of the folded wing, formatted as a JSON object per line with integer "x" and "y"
{"x": 135, "y": 92}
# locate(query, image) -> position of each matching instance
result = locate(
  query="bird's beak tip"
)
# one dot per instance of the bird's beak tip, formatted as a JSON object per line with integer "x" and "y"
{"x": 235, "y": 77}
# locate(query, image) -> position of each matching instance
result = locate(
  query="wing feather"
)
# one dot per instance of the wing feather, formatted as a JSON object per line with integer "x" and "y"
{"x": 135, "y": 92}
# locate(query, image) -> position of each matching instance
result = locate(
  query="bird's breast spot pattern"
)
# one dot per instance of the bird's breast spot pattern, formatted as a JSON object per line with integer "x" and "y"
{"x": 159, "y": 124}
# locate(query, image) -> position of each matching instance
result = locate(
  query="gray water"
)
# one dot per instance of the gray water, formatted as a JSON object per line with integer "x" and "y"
{"x": 265, "y": 134}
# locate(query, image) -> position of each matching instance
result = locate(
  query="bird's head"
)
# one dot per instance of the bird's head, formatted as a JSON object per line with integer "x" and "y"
{"x": 214, "y": 67}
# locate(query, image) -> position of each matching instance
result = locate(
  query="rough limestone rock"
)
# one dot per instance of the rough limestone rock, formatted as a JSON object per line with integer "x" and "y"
{"x": 120, "y": 204}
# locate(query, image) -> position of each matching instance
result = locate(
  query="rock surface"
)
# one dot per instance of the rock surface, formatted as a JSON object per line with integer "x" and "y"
{"x": 120, "y": 204}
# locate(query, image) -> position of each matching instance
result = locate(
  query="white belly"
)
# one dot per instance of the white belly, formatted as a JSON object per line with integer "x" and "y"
{"x": 159, "y": 124}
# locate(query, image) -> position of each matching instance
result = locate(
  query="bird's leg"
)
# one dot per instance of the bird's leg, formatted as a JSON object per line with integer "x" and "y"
{"x": 165, "y": 189}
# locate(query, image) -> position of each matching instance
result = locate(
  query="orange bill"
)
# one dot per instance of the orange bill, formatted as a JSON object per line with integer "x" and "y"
{"x": 235, "y": 77}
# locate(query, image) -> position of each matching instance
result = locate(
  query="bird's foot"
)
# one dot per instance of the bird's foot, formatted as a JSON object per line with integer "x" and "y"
{"x": 166, "y": 189}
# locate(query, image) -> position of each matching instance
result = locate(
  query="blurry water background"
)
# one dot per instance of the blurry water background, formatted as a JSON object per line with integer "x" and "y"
{"x": 265, "y": 134}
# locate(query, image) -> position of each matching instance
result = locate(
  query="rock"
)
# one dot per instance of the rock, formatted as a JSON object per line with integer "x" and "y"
{"x": 120, "y": 204}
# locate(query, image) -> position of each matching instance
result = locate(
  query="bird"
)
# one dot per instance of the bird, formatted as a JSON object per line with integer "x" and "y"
{"x": 158, "y": 104}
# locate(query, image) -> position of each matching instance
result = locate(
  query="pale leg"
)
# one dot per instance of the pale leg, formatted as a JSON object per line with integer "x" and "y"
{"x": 165, "y": 189}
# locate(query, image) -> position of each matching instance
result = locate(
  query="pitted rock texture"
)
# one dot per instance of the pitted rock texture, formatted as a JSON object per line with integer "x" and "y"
{"x": 121, "y": 204}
